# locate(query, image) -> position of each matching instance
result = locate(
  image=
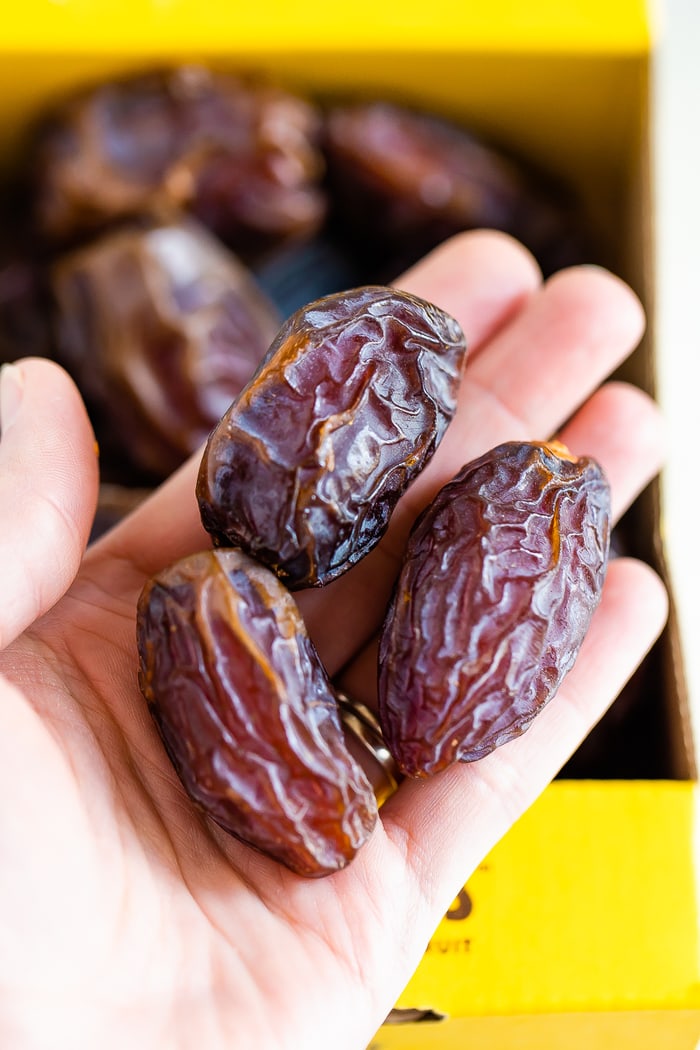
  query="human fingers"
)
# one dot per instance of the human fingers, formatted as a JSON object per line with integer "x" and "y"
{"x": 482, "y": 277}
{"x": 621, "y": 427}
{"x": 521, "y": 385}
{"x": 443, "y": 827}
{"x": 563, "y": 338}
{"x": 48, "y": 489}
{"x": 535, "y": 372}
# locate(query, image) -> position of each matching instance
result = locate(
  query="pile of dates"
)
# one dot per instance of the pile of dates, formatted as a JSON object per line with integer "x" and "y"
{"x": 166, "y": 224}
{"x": 298, "y": 480}
{"x": 182, "y": 241}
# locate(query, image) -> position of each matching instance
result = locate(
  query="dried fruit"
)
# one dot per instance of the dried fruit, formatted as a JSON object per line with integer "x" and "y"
{"x": 305, "y": 468}
{"x": 501, "y": 577}
{"x": 161, "y": 327}
{"x": 242, "y": 157}
{"x": 402, "y": 181}
{"x": 247, "y": 714}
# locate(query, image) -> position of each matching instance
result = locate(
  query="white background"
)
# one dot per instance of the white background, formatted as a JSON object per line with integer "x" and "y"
{"x": 677, "y": 200}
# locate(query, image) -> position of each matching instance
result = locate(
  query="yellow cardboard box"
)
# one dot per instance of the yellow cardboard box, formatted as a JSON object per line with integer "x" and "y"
{"x": 580, "y": 929}
{"x": 577, "y": 932}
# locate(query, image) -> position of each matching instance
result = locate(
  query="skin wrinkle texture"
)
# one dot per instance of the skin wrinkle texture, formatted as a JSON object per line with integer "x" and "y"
{"x": 160, "y": 362}
{"x": 369, "y": 362}
{"x": 262, "y": 749}
{"x": 264, "y": 934}
{"x": 452, "y": 690}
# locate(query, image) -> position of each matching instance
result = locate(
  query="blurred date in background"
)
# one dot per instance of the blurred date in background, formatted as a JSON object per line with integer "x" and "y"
{"x": 160, "y": 229}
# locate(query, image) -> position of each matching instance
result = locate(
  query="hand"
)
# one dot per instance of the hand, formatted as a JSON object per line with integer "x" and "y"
{"x": 127, "y": 918}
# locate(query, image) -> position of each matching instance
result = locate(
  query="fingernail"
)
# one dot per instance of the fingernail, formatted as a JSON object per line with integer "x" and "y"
{"x": 11, "y": 390}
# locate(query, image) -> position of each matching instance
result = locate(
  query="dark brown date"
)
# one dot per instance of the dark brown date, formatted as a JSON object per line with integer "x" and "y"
{"x": 402, "y": 181}
{"x": 161, "y": 327}
{"x": 247, "y": 714}
{"x": 305, "y": 468}
{"x": 501, "y": 577}
{"x": 242, "y": 157}
{"x": 24, "y": 326}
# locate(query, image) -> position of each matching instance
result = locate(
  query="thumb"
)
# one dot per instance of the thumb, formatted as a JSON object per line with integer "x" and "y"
{"x": 48, "y": 489}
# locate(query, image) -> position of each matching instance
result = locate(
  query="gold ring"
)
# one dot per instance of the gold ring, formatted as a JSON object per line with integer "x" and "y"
{"x": 362, "y": 722}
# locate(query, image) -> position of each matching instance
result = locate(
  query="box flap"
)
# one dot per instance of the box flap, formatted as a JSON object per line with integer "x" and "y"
{"x": 589, "y": 903}
{"x": 139, "y": 25}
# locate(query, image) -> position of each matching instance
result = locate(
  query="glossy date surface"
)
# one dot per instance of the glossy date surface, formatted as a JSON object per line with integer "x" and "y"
{"x": 247, "y": 714}
{"x": 161, "y": 327}
{"x": 241, "y": 156}
{"x": 501, "y": 577}
{"x": 401, "y": 181}
{"x": 349, "y": 405}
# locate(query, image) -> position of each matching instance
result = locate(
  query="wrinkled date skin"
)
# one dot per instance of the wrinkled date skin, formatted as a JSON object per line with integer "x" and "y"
{"x": 402, "y": 181}
{"x": 161, "y": 327}
{"x": 305, "y": 468}
{"x": 240, "y": 156}
{"x": 247, "y": 714}
{"x": 501, "y": 577}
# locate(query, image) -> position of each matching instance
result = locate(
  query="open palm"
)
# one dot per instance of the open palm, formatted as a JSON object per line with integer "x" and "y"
{"x": 128, "y": 918}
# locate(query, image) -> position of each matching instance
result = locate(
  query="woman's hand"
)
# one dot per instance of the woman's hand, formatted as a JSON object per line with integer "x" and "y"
{"x": 128, "y": 918}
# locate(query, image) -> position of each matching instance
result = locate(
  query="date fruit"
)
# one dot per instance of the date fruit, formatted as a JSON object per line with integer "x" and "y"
{"x": 161, "y": 327}
{"x": 502, "y": 574}
{"x": 402, "y": 181}
{"x": 247, "y": 714}
{"x": 305, "y": 468}
{"x": 240, "y": 156}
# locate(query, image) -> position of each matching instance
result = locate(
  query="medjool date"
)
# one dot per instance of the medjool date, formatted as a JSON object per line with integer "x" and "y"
{"x": 247, "y": 714}
{"x": 501, "y": 577}
{"x": 240, "y": 156}
{"x": 305, "y": 468}
{"x": 401, "y": 181}
{"x": 161, "y": 327}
